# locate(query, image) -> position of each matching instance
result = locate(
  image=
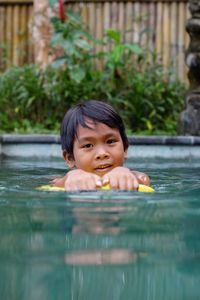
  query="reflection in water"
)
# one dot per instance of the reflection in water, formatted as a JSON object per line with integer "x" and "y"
{"x": 101, "y": 245}
{"x": 100, "y": 257}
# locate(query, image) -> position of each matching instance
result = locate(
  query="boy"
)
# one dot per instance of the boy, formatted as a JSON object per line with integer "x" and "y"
{"x": 95, "y": 145}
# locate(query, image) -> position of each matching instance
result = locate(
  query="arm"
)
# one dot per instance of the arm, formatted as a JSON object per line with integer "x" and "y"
{"x": 137, "y": 176}
{"x": 58, "y": 181}
{"x": 78, "y": 179}
{"x": 122, "y": 178}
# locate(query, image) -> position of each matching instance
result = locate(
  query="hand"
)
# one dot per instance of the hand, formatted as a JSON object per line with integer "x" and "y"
{"x": 121, "y": 178}
{"x": 142, "y": 177}
{"x": 81, "y": 180}
{"x": 58, "y": 181}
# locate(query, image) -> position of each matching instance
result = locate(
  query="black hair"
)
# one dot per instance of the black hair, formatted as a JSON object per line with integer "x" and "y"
{"x": 98, "y": 112}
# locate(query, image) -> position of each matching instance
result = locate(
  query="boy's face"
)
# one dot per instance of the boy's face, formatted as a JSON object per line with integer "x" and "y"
{"x": 97, "y": 149}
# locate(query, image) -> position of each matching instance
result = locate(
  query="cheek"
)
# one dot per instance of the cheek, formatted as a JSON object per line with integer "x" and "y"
{"x": 120, "y": 157}
{"x": 82, "y": 160}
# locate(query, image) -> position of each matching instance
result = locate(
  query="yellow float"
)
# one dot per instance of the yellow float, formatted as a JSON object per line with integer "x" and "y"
{"x": 49, "y": 188}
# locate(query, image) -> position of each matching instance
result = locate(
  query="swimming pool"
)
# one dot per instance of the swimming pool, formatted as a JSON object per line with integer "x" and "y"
{"x": 99, "y": 245}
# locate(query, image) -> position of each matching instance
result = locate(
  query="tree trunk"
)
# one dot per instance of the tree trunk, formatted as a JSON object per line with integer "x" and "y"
{"x": 190, "y": 117}
{"x": 41, "y": 31}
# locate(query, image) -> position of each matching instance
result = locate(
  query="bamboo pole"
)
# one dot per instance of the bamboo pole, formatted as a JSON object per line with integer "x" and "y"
{"x": 121, "y": 20}
{"x": 159, "y": 26}
{"x": 136, "y": 22}
{"x": 23, "y": 35}
{"x": 114, "y": 16}
{"x": 99, "y": 29}
{"x": 144, "y": 25}
{"x": 166, "y": 34}
{"x": 174, "y": 37}
{"x": 15, "y": 41}
{"x": 99, "y": 32}
{"x": 106, "y": 20}
{"x": 107, "y": 15}
{"x": 76, "y": 7}
{"x": 128, "y": 24}
{"x": 151, "y": 26}
{"x": 181, "y": 33}
{"x": 30, "y": 46}
{"x": 92, "y": 18}
{"x": 29, "y": 22}
{"x": 84, "y": 12}
{"x": 2, "y": 38}
{"x": 9, "y": 36}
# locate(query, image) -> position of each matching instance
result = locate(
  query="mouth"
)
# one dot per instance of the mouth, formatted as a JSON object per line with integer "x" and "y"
{"x": 103, "y": 168}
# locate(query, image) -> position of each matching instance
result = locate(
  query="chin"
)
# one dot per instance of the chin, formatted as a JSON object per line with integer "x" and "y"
{"x": 100, "y": 174}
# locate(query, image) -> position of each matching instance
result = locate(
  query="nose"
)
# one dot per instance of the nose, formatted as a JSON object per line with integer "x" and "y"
{"x": 101, "y": 153}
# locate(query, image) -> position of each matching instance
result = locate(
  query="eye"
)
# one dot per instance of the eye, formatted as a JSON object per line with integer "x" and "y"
{"x": 87, "y": 146}
{"x": 111, "y": 141}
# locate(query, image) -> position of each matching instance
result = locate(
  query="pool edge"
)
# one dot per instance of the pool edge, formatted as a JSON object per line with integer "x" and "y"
{"x": 45, "y": 145}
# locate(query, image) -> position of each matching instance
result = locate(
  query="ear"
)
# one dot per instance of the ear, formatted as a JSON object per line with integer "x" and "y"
{"x": 126, "y": 154}
{"x": 69, "y": 159}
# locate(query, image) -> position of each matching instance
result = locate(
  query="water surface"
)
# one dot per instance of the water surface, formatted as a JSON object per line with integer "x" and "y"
{"x": 99, "y": 245}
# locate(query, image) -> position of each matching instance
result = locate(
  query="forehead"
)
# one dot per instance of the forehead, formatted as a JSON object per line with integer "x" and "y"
{"x": 95, "y": 129}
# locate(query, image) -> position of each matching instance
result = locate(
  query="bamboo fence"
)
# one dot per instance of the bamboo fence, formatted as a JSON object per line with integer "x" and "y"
{"x": 157, "y": 24}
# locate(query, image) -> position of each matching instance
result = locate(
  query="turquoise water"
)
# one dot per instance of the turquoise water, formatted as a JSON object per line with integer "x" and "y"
{"x": 99, "y": 245}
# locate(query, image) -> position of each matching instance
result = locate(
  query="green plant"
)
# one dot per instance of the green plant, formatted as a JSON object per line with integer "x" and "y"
{"x": 73, "y": 40}
{"x": 140, "y": 88}
{"x": 131, "y": 80}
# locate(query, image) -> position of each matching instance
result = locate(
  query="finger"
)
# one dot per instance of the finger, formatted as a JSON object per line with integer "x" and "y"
{"x": 94, "y": 182}
{"x": 53, "y": 181}
{"x": 98, "y": 182}
{"x": 70, "y": 187}
{"x": 114, "y": 183}
{"x": 91, "y": 184}
{"x": 83, "y": 185}
{"x": 123, "y": 183}
{"x": 144, "y": 179}
{"x": 130, "y": 183}
{"x": 74, "y": 184}
{"x": 135, "y": 183}
{"x": 105, "y": 180}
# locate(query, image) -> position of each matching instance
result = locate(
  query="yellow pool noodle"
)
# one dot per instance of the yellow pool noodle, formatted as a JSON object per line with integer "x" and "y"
{"x": 141, "y": 188}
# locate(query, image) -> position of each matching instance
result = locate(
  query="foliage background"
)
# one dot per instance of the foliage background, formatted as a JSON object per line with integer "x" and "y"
{"x": 131, "y": 79}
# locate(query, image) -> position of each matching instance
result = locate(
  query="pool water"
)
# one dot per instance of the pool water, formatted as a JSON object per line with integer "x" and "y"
{"x": 99, "y": 245}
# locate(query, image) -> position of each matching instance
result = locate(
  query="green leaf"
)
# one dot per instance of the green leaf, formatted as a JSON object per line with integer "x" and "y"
{"x": 82, "y": 44}
{"x": 75, "y": 18}
{"x": 56, "y": 39}
{"x": 58, "y": 62}
{"x": 114, "y": 35}
{"x": 134, "y": 48}
{"x": 52, "y": 3}
{"x": 30, "y": 101}
{"x": 117, "y": 53}
{"x": 77, "y": 73}
{"x": 149, "y": 125}
{"x": 68, "y": 46}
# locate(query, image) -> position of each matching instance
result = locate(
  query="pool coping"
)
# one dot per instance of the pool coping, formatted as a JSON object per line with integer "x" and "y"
{"x": 140, "y": 146}
{"x": 133, "y": 140}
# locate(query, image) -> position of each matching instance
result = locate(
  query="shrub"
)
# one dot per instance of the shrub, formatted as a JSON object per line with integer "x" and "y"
{"x": 132, "y": 80}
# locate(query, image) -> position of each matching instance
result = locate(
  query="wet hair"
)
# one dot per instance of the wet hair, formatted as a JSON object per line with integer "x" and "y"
{"x": 98, "y": 112}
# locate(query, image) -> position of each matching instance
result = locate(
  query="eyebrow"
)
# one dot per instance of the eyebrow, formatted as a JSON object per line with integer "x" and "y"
{"x": 106, "y": 136}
